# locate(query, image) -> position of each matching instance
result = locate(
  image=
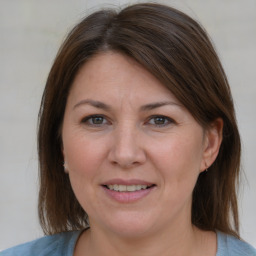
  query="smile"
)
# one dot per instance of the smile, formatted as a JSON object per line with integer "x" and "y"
{"x": 128, "y": 191}
{"x": 127, "y": 188}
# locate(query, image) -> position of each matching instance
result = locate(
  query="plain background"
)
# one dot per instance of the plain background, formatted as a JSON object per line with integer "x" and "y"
{"x": 31, "y": 32}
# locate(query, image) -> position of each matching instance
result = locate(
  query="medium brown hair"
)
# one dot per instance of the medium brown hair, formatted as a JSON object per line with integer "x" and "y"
{"x": 177, "y": 51}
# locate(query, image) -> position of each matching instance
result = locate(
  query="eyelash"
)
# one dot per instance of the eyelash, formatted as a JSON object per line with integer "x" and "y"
{"x": 89, "y": 120}
{"x": 167, "y": 120}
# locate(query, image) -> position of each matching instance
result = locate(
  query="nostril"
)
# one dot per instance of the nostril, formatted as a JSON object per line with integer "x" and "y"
{"x": 125, "y": 164}
{"x": 126, "y": 151}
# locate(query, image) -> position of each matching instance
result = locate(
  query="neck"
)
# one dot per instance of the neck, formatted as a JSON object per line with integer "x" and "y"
{"x": 178, "y": 241}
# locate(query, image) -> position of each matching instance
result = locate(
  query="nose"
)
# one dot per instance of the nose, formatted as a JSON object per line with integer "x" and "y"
{"x": 127, "y": 150}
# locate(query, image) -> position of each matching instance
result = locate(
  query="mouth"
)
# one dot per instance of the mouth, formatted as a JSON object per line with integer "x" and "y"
{"x": 128, "y": 191}
{"x": 128, "y": 188}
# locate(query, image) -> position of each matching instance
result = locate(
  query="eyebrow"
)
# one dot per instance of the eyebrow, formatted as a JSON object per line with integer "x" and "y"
{"x": 147, "y": 107}
{"x": 94, "y": 103}
{"x": 155, "y": 105}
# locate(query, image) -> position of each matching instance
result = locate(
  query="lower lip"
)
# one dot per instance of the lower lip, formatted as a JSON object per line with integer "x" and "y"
{"x": 128, "y": 197}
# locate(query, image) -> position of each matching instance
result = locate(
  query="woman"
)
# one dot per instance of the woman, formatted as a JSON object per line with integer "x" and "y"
{"x": 138, "y": 144}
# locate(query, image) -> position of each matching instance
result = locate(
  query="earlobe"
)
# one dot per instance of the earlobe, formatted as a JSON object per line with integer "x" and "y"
{"x": 65, "y": 165}
{"x": 212, "y": 143}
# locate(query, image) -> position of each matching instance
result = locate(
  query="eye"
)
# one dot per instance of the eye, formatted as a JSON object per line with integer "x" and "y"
{"x": 95, "y": 120}
{"x": 160, "y": 121}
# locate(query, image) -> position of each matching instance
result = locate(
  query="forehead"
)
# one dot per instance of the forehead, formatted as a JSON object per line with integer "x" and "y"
{"x": 112, "y": 73}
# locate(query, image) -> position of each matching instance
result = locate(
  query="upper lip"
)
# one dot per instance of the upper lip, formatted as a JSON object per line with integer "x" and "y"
{"x": 128, "y": 182}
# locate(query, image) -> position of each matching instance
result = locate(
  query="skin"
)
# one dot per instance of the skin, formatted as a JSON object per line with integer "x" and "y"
{"x": 161, "y": 144}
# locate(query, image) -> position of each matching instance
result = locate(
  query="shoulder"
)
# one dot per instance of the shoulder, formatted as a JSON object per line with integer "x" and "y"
{"x": 55, "y": 245}
{"x": 229, "y": 245}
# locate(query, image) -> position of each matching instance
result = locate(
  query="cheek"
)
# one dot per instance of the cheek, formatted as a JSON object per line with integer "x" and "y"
{"x": 84, "y": 160}
{"x": 82, "y": 154}
{"x": 180, "y": 154}
{"x": 178, "y": 161}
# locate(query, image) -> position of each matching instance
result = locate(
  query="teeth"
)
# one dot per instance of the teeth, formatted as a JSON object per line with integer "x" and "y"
{"x": 124, "y": 188}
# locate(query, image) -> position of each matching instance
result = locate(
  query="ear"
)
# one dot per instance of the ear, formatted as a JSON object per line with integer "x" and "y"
{"x": 212, "y": 142}
{"x": 65, "y": 164}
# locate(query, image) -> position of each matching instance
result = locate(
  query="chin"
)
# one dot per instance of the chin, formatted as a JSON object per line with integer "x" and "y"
{"x": 130, "y": 225}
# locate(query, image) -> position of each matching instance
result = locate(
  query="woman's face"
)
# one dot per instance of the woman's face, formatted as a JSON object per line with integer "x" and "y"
{"x": 133, "y": 152}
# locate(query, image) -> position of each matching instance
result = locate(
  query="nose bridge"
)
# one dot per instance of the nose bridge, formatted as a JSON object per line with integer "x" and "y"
{"x": 125, "y": 140}
{"x": 126, "y": 149}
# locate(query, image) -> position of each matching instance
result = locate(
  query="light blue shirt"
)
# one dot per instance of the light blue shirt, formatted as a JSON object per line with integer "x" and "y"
{"x": 64, "y": 244}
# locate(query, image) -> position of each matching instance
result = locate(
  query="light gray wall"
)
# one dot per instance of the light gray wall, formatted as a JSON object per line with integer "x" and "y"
{"x": 31, "y": 32}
